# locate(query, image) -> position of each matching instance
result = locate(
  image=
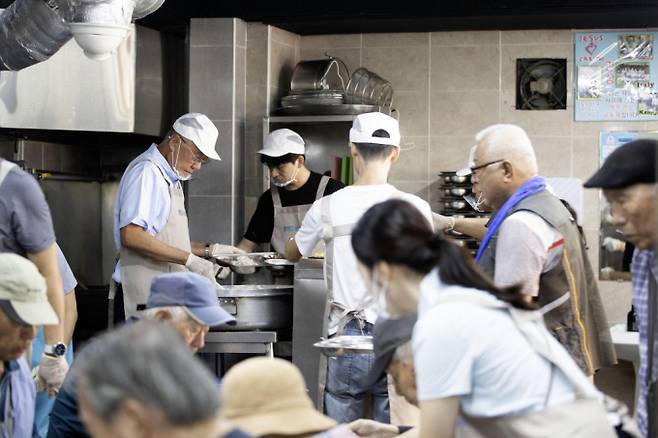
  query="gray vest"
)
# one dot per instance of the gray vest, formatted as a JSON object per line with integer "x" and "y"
{"x": 568, "y": 293}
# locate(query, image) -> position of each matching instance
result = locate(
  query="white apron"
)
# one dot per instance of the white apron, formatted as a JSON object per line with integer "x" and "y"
{"x": 137, "y": 271}
{"x": 288, "y": 220}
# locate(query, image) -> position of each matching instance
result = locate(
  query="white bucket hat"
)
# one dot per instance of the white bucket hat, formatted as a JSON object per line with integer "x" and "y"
{"x": 281, "y": 142}
{"x": 199, "y": 129}
{"x": 366, "y": 124}
{"x": 23, "y": 292}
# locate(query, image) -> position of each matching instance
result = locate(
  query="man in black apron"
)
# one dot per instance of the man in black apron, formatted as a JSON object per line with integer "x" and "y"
{"x": 628, "y": 180}
{"x": 282, "y": 208}
{"x": 150, "y": 221}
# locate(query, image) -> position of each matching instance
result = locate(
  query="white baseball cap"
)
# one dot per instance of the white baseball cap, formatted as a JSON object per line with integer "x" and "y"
{"x": 199, "y": 129}
{"x": 281, "y": 142}
{"x": 23, "y": 295}
{"x": 366, "y": 124}
{"x": 467, "y": 170}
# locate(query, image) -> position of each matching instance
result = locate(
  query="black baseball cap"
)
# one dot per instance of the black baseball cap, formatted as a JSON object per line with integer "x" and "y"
{"x": 388, "y": 335}
{"x": 631, "y": 163}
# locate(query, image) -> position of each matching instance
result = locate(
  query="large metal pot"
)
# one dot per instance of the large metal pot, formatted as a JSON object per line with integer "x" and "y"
{"x": 257, "y": 307}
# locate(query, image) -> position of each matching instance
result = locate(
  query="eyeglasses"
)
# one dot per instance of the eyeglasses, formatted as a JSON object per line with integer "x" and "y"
{"x": 195, "y": 157}
{"x": 482, "y": 166}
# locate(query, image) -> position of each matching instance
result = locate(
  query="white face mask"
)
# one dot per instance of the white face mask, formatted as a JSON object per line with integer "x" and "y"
{"x": 475, "y": 203}
{"x": 178, "y": 174}
{"x": 379, "y": 291}
{"x": 286, "y": 183}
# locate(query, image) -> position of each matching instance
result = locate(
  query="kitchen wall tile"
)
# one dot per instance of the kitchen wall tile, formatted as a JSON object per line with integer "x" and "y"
{"x": 592, "y": 219}
{"x": 537, "y": 37}
{"x": 616, "y": 297}
{"x": 413, "y": 110}
{"x": 463, "y": 113}
{"x": 418, "y": 188}
{"x": 593, "y": 129}
{"x": 211, "y": 81}
{"x": 553, "y": 155}
{"x": 350, "y": 56}
{"x": 256, "y": 31}
{"x": 465, "y": 68}
{"x": 479, "y": 38}
{"x": 510, "y": 53}
{"x": 412, "y": 164}
{"x": 585, "y": 156}
{"x": 253, "y": 187}
{"x": 408, "y": 72}
{"x": 284, "y": 37}
{"x": 216, "y": 32}
{"x": 331, "y": 41}
{"x": 282, "y": 64}
{"x": 257, "y": 62}
{"x": 240, "y": 32}
{"x": 240, "y": 83}
{"x": 250, "y": 204}
{"x": 256, "y": 105}
{"x": 210, "y": 218}
{"x": 544, "y": 123}
{"x": 411, "y": 39}
{"x": 215, "y": 177}
{"x": 651, "y": 126}
{"x": 448, "y": 154}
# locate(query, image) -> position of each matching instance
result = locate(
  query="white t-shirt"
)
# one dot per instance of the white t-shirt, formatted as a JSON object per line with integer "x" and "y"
{"x": 527, "y": 247}
{"x": 347, "y": 207}
{"x": 479, "y": 355}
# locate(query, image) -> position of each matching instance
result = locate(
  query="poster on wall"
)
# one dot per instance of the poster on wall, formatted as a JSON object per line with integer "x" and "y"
{"x": 616, "y": 76}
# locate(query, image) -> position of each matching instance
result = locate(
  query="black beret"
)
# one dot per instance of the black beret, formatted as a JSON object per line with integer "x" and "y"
{"x": 631, "y": 163}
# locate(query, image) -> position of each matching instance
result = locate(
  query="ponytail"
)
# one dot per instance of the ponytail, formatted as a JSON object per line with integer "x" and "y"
{"x": 396, "y": 232}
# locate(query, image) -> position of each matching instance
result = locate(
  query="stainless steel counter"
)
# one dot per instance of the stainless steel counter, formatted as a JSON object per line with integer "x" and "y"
{"x": 309, "y": 302}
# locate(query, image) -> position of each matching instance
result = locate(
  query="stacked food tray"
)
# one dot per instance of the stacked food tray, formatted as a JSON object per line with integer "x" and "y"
{"x": 453, "y": 188}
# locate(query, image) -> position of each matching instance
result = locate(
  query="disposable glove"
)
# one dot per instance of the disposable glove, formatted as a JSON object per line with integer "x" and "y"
{"x": 50, "y": 374}
{"x": 202, "y": 266}
{"x": 612, "y": 244}
{"x": 442, "y": 222}
{"x": 217, "y": 249}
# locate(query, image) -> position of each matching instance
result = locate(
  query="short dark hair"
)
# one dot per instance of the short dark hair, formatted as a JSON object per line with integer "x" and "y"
{"x": 375, "y": 151}
{"x": 276, "y": 161}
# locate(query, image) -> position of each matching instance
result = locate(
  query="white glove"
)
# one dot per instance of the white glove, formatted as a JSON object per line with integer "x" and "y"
{"x": 50, "y": 374}
{"x": 202, "y": 266}
{"x": 217, "y": 249}
{"x": 224, "y": 271}
{"x": 612, "y": 244}
{"x": 442, "y": 222}
{"x": 373, "y": 429}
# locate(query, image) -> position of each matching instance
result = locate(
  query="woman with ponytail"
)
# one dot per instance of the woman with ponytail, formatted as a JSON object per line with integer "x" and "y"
{"x": 480, "y": 352}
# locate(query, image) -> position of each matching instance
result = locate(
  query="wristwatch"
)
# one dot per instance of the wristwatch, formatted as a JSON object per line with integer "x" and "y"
{"x": 55, "y": 350}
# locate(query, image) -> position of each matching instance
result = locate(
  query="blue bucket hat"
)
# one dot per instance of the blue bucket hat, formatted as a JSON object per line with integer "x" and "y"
{"x": 196, "y": 294}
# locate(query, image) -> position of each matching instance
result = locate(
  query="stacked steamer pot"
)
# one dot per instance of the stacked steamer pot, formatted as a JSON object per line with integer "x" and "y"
{"x": 453, "y": 189}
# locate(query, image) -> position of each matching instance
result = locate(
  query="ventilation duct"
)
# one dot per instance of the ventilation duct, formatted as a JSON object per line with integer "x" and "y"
{"x": 31, "y": 31}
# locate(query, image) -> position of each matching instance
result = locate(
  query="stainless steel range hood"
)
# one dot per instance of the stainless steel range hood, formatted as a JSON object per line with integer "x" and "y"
{"x": 123, "y": 93}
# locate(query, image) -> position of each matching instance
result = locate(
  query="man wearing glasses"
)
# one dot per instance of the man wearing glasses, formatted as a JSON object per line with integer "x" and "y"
{"x": 532, "y": 240}
{"x": 150, "y": 223}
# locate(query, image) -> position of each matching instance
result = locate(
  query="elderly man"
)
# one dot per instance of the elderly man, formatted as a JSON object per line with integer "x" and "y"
{"x": 534, "y": 241}
{"x": 23, "y": 306}
{"x": 150, "y": 223}
{"x": 26, "y": 229}
{"x": 141, "y": 382}
{"x": 186, "y": 301}
{"x": 628, "y": 180}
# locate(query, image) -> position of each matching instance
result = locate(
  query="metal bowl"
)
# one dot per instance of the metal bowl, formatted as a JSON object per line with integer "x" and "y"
{"x": 342, "y": 345}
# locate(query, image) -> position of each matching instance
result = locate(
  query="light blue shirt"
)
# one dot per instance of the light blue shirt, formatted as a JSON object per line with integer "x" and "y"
{"x": 143, "y": 197}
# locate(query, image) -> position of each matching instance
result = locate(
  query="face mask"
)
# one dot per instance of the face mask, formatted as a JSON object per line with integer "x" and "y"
{"x": 475, "y": 203}
{"x": 287, "y": 183}
{"x": 379, "y": 291}
{"x": 178, "y": 174}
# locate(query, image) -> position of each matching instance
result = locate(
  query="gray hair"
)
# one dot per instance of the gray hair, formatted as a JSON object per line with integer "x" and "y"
{"x": 178, "y": 313}
{"x": 147, "y": 362}
{"x": 404, "y": 353}
{"x": 509, "y": 142}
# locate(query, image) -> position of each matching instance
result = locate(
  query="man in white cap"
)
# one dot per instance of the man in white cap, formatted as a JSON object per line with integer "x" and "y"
{"x": 150, "y": 223}
{"x": 374, "y": 146}
{"x": 294, "y": 188}
{"x": 23, "y": 306}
